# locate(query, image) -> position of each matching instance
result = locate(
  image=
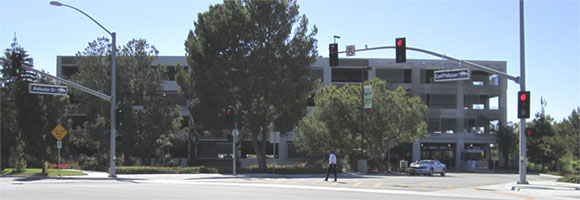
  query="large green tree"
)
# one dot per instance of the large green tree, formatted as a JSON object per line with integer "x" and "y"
{"x": 335, "y": 121}
{"x": 545, "y": 146}
{"x": 245, "y": 54}
{"x": 147, "y": 114}
{"x": 27, "y": 119}
{"x": 507, "y": 140}
{"x": 570, "y": 129}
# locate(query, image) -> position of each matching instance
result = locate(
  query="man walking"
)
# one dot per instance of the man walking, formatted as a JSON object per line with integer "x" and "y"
{"x": 331, "y": 166}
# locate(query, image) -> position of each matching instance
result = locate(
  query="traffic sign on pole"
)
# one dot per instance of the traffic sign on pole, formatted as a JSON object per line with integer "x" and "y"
{"x": 368, "y": 96}
{"x": 59, "y": 132}
{"x": 35, "y": 88}
{"x": 350, "y": 50}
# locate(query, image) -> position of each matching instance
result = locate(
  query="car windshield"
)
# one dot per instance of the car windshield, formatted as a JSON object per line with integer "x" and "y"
{"x": 429, "y": 162}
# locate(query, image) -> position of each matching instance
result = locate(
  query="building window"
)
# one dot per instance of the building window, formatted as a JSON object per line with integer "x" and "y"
{"x": 171, "y": 73}
{"x": 475, "y": 102}
{"x": 394, "y": 75}
{"x": 67, "y": 72}
{"x": 477, "y": 126}
{"x": 175, "y": 98}
{"x": 427, "y": 76}
{"x": 441, "y": 100}
{"x": 441, "y": 125}
{"x": 484, "y": 78}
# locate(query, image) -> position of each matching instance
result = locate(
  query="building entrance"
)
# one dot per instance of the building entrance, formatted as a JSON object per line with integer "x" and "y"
{"x": 444, "y": 152}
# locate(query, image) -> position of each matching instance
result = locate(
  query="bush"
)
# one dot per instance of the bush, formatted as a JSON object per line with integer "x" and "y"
{"x": 163, "y": 170}
{"x": 570, "y": 178}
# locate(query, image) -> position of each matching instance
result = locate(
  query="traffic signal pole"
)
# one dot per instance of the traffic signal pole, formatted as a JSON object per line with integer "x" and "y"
{"x": 522, "y": 81}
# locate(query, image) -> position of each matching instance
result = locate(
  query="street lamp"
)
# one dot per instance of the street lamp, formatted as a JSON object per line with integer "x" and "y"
{"x": 113, "y": 80}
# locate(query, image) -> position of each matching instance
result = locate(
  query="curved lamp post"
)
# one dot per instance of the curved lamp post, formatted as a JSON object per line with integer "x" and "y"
{"x": 113, "y": 92}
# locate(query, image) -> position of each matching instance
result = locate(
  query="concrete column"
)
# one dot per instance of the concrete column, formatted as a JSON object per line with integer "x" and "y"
{"x": 458, "y": 151}
{"x": 327, "y": 76}
{"x": 283, "y": 149}
{"x": 415, "y": 79}
{"x": 503, "y": 100}
{"x": 416, "y": 150}
{"x": 459, "y": 110}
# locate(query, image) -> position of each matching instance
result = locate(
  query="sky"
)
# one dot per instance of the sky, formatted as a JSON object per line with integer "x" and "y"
{"x": 464, "y": 29}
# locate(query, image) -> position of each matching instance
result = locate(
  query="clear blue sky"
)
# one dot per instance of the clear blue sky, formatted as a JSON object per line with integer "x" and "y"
{"x": 466, "y": 29}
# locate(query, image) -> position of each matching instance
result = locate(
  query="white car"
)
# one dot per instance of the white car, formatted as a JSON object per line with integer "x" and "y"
{"x": 428, "y": 167}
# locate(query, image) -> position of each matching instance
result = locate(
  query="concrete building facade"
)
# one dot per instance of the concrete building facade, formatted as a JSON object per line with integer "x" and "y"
{"x": 463, "y": 116}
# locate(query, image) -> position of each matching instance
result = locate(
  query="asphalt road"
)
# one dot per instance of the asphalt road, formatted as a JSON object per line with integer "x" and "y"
{"x": 215, "y": 186}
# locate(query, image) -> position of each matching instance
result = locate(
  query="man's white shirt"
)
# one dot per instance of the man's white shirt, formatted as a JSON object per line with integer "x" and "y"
{"x": 332, "y": 159}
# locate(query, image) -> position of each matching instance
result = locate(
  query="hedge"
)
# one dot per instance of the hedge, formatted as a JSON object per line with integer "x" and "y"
{"x": 164, "y": 170}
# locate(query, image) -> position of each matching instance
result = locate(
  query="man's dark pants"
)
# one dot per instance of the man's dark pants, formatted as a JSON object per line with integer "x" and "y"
{"x": 333, "y": 168}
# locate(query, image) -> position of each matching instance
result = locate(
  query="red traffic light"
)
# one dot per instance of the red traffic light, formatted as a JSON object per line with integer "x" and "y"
{"x": 399, "y": 42}
{"x": 228, "y": 111}
{"x": 523, "y": 97}
{"x": 529, "y": 132}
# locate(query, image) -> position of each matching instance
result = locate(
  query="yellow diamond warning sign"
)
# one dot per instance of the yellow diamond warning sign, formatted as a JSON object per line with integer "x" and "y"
{"x": 59, "y": 132}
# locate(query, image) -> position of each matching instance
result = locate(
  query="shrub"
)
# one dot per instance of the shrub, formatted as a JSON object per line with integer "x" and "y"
{"x": 570, "y": 178}
{"x": 163, "y": 170}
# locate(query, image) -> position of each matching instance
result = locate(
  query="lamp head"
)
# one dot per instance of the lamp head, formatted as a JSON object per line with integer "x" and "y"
{"x": 55, "y": 3}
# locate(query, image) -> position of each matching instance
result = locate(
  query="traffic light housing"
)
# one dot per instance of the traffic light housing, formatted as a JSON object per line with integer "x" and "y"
{"x": 333, "y": 54}
{"x": 16, "y": 63}
{"x": 524, "y": 104}
{"x": 120, "y": 117}
{"x": 229, "y": 113}
{"x": 400, "y": 48}
{"x": 530, "y": 132}
{"x": 311, "y": 99}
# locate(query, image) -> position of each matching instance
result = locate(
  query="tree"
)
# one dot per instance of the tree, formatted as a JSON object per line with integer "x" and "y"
{"x": 335, "y": 124}
{"x": 544, "y": 147}
{"x": 26, "y": 118}
{"x": 243, "y": 54}
{"x": 138, "y": 84}
{"x": 507, "y": 140}
{"x": 570, "y": 129}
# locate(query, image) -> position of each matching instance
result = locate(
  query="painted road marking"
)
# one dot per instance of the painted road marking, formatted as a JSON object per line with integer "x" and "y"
{"x": 357, "y": 184}
{"x": 278, "y": 181}
{"x": 449, "y": 187}
{"x": 378, "y": 185}
{"x": 297, "y": 181}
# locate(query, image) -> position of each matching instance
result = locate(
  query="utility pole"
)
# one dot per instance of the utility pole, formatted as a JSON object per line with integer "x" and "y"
{"x": 522, "y": 83}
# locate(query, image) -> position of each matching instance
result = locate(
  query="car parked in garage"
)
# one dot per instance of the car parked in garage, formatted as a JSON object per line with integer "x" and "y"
{"x": 428, "y": 167}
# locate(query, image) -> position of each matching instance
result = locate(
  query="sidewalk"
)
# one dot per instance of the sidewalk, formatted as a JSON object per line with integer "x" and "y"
{"x": 541, "y": 189}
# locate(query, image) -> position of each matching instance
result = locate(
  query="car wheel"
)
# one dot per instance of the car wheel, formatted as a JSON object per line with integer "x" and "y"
{"x": 443, "y": 172}
{"x": 431, "y": 172}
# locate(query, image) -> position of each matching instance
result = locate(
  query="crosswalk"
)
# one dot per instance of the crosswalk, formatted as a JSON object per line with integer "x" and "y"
{"x": 350, "y": 183}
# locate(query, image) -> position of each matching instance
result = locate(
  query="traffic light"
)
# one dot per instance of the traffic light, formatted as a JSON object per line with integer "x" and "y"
{"x": 119, "y": 116}
{"x": 524, "y": 104}
{"x": 333, "y": 54}
{"x": 400, "y": 48}
{"x": 16, "y": 63}
{"x": 230, "y": 117}
{"x": 530, "y": 132}
{"x": 311, "y": 99}
{"x": 239, "y": 119}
